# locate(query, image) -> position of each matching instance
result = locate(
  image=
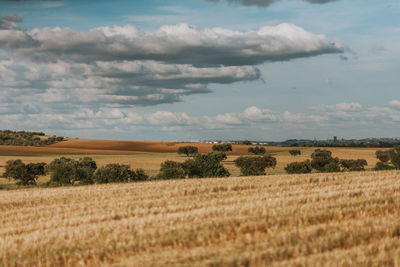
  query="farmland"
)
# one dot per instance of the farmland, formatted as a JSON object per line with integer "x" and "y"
{"x": 322, "y": 219}
{"x": 319, "y": 219}
{"x": 149, "y": 155}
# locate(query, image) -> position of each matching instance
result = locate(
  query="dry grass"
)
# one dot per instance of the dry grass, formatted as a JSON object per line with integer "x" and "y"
{"x": 345, "y": 219}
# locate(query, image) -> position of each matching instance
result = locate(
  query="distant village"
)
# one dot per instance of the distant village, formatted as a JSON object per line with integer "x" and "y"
{"x": 334, "y": 142}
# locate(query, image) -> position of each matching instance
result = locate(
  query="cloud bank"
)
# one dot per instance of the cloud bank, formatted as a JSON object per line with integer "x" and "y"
{"x": 121, "y": 67}
{"x": 339, "y": 119}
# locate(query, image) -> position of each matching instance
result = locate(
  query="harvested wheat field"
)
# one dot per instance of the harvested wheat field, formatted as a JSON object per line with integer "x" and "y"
{"x": 339, "y": 219}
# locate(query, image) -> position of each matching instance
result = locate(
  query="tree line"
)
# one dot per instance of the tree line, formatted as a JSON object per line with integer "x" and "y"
{"x": 24, "y": 138}
{"x": 68, "y": 171}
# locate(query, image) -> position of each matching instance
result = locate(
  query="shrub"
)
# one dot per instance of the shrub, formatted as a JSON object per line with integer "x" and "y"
{"x": 321, "y": 158}
{"x": 205, "y": 165}
{"x": 222, "y": 147}
{"x": 246, "y": 143}
{"x": 140, "y": 175}
{"x": 299, "y": 167}
{"x": 353, "y": 164}
{"x": 67, "y": 171}
{"x": 257, "y": 150}
{"x": 254, "y": 165}
{"x": 118, "y": 173}
{"x": 382, "y": 166}
{"x": 332, "y": 166}
{"x": 389, "y": 159}
{"x": 188, "y": 150}
{"x": 383, "y": 156}
{"x": 26, "y": 174}
{"x": 395, "y": 157}
{"x": 171, "y": 169}
{"x": 295, "y": 152}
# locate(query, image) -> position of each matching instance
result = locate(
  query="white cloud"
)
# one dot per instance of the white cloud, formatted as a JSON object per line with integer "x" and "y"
{"x": 182, "y": 43}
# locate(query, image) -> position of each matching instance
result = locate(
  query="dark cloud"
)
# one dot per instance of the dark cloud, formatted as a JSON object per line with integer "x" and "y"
{"x": 264, "y": 3}
{"x": 9, "y": 22}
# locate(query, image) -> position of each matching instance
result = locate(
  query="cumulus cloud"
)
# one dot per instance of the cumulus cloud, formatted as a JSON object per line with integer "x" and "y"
{"x": 125, "y": 67}
{"x": 179, "y": 44}
{"x": 264, "y": 3}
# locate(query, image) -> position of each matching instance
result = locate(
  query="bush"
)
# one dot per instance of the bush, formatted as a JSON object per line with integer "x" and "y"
{"x": 67, "y": 171}
{"x": 118, "y": 173}
{"x": 295, "y": 152}
{"x": 205, "y": 165}
{"x": 257, "y": 150}
{"x": 299, "y": 167}
{"x": 321, "y": 158}
{"x": 222, "y": 147}
{"x": 383, "y": 156}
{"x": 250, "y": 166}
{"x": 353, "y": 164}
{"x": 389, "y": 159}
{"x": 247, "y": 143}
{"x": 188, "y": 150}
{"x": 171, "y": 169}
{"x": 332, "y": 166}
{"x": 395, "y": 157}
{"x": 140, "y": 175}
{"x": 26, "y": 174}
{"x": 382, "y": 166}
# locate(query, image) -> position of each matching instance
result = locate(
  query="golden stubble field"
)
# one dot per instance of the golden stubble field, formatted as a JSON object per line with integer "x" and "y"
{"x": 341, "y": 219}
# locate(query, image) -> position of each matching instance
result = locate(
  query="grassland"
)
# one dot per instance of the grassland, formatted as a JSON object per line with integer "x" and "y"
{"x": 343, "y": 219}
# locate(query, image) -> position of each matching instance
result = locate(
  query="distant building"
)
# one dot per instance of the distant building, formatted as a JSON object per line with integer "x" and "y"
{"x": 335, "y": 139}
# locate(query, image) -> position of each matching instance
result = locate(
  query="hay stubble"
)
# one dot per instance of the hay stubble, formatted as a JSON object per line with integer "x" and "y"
{"x": 323, "y": 219}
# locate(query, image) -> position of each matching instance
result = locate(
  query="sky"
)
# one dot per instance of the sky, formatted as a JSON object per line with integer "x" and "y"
{"x": 266, "y": 70}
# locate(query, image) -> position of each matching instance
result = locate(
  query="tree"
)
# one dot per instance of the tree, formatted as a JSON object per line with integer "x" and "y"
{"x": 353, "y": 164}
{"x": 205, "y": 165}
{"x": 389, "y": 159}
{"x": 26, "y": 174}
{"x": 321, "y": 158}
{"x": 332, "y": 166}
{"x": 295, "y": 152}
{"x": 395, "y": 157}
{"x": 254, "y": 165}
{"x": 188, "y": 150}
{"x": 299, "y": 167}
{"x": 67, "y": 171}
{"x": 383, "y": 156}
{"x": 171, "y": 169}
{"x": 118, "y": 173}
{"x": 382, "y": 166}
{"x": 257, "y": 150}
{"x": 222, "y": 147}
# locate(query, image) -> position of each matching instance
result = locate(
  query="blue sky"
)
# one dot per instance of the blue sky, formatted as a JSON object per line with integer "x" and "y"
{"x": 193, "y": 70}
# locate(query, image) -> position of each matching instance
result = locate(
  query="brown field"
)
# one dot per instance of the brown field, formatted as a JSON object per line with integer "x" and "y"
{"x": 343, "y": 219}
{"x": 111, "y": 147}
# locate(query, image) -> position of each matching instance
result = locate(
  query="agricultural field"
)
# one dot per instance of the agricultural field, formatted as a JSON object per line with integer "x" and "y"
{"x": 340, "y": 219}
{"x": 150, "y": 155}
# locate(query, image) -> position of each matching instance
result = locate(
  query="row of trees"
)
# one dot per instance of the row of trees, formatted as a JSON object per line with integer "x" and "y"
{"x": 322, "y": 161}
{"x": 23, "y": 138}
{"x": 67, "y": 171}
